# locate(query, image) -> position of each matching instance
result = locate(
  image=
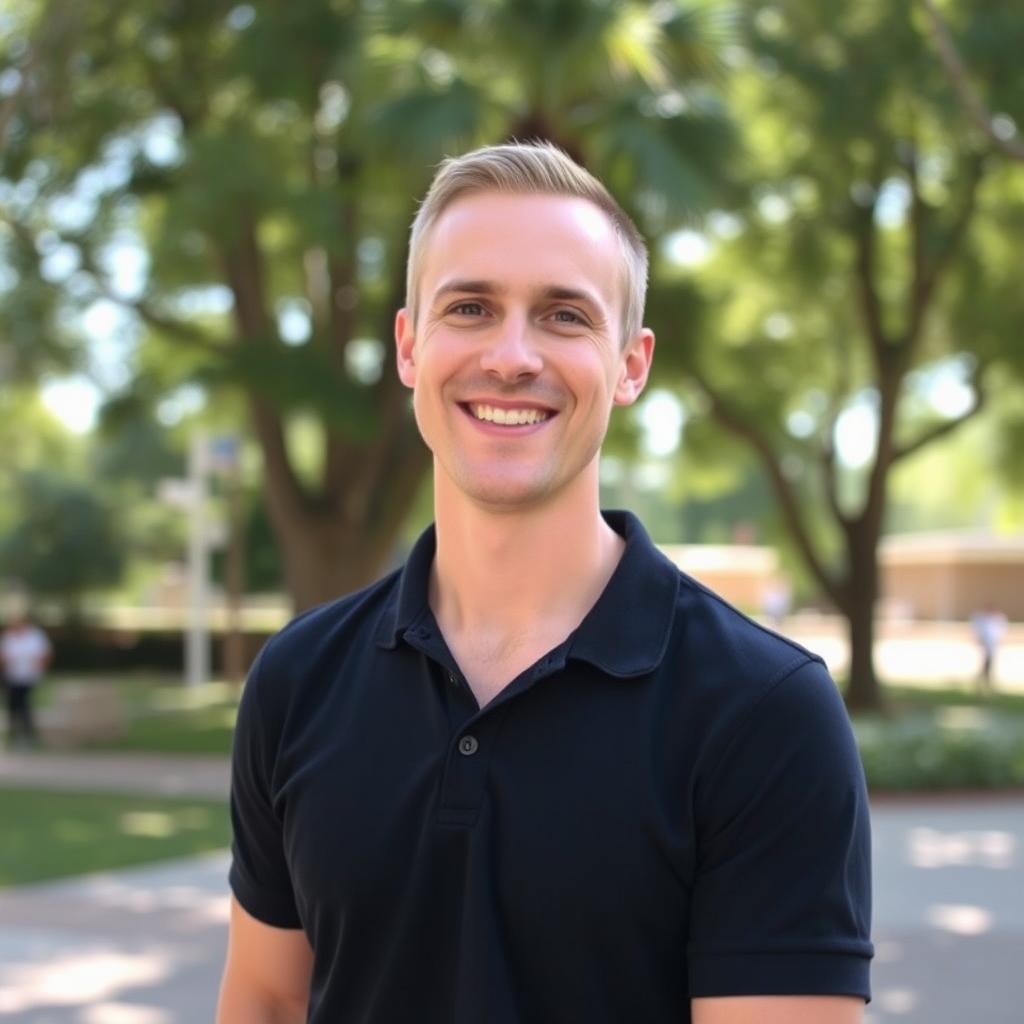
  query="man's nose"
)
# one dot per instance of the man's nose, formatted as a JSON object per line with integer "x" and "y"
{"x": 512, "y": 352}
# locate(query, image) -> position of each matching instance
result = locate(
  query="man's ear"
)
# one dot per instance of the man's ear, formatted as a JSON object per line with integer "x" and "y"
{"x": 405, "y": 348}
{"x": 636, "y": 365}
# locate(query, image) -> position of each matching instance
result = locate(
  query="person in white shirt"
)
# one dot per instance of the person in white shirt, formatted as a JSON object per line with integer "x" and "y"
{"x": 989, "y": 626}
{"x": 25, "y": 653}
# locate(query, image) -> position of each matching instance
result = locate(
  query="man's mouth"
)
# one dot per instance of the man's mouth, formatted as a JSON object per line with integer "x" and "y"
{"x": 507, "y": 417}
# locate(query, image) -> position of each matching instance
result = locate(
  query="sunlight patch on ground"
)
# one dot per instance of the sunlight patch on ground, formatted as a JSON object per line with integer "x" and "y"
{"x": 152, "y": 824}
{"x": 888, "y": 952}
{"x": 125, "y": 1013}
{"x": 77, "y": 978}
{"x": 107, "y": 893}
{"x": 960, "y": 919}
{"x": 897, "y": 1000}
{"x": 210, "y": 912}
{"x": 930, "y": 848}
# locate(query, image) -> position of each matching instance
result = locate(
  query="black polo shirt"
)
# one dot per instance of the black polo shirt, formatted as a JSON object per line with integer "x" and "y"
{"x": 667, "y": 805}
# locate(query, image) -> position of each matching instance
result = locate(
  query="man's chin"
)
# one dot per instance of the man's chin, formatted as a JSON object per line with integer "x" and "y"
{"x": 504, "y": 496}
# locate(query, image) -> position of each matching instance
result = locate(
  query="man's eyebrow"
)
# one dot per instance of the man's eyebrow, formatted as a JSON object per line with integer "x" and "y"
{"x": 461, "y": 286}
{"x": 572, "y": 295}
{"x": 481, "y": 287}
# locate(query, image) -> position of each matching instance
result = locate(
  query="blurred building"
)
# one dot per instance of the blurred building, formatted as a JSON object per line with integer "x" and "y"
{"x": 744, "y": 574}
{"x": 950, "y": 575}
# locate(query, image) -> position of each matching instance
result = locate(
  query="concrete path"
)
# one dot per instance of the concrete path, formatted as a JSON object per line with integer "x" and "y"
{"x": 948, "y": 911}
{"x": 181, "y": 775}
{"x": 146, "y": 946}
{"x": 142, "y": 946}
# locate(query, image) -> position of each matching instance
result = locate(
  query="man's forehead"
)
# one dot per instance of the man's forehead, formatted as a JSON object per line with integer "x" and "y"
{"x": 569, "y": 244}
{"x": 526, "y": 211}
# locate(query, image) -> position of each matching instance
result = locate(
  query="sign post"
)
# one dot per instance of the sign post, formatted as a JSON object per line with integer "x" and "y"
{"x": 197, "y": 633}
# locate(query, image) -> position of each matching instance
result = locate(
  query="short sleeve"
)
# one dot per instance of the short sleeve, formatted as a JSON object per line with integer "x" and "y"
{"x": 259, "y": 873}
{"x": 782, "y": 892}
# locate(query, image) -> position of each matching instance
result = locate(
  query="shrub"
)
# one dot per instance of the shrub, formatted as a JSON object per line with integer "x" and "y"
{"x": 943, "y": 748}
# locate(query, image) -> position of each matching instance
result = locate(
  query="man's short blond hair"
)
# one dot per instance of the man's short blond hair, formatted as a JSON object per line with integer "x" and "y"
{"x": 528, "y": 169}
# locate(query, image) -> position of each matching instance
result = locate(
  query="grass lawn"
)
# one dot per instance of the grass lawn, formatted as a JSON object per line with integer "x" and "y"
{"x": 53, "y": 834}
{"x": 170, "y": 719}
{"x": 165, "y": 717}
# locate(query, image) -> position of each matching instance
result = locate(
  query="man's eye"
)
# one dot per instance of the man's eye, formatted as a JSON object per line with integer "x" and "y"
{"x": 567, "y": 316}
{"x": 467, "y": 309}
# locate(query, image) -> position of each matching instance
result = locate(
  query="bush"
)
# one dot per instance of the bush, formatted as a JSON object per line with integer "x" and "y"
{"x": 942, "y": 748}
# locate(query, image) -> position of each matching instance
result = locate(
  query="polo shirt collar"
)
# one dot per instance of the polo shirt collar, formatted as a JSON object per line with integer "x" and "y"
{"x": 625, "y": 634}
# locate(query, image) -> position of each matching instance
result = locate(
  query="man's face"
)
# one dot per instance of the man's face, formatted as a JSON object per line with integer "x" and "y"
{"x": 517, "y": 357}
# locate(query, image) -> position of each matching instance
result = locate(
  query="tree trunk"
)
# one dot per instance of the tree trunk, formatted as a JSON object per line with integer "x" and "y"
{"x": 864, "y": 693}
{"x": 326, "y": 555}
{"x": 333, "y": 545}
{"x": 861, "y": 595}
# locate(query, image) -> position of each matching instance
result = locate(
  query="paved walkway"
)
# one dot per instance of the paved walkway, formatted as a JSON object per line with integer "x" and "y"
{"x": 948, "y": 911}
{"x": 146, "y": 945}
{"x": 181, "y": 775}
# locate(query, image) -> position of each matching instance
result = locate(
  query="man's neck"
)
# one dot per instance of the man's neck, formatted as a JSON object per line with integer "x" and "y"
{"x": 535, "y": 571}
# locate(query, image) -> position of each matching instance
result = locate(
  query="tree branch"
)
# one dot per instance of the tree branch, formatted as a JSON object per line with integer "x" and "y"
{"x": 142, "y": 307}
{"x": 389, "y": 398}
{"x": 926, "y": 277}
{"x": 939, "y": 430}
{"x": 737, "y": 424}
{"x": 829, "y": 479}
{"x": 246, "y": 276}
{"x": 283, "y": 487}
{"x": 179, "y": 329}
{"x": 870, "y": 304}
{"x": 960, "y": 80}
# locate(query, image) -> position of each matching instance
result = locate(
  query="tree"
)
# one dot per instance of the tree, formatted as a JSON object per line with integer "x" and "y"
{"x": 1000, "y": 131}
{"x": 64, "y": 543}
{"x": 867, "y": 264}
{"x": 263, "y": 161}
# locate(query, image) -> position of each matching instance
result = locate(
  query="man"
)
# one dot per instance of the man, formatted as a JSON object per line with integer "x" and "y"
{"x": 539, "y": 775}
{"x": 25, "y": 654}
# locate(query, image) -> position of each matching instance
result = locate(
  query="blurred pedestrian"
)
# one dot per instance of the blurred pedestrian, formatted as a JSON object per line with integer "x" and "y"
{"x": 776, "y": 602}
{"x": 989, "y": 626}
{"x": 25, "y": 654}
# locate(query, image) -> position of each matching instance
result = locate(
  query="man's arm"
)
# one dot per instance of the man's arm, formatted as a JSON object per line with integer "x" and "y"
{"x": 266, "y": 978}
{"x": 778, "y": 1010}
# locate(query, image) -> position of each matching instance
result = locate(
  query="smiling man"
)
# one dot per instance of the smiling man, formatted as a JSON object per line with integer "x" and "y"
{"x": 539, "y": 775}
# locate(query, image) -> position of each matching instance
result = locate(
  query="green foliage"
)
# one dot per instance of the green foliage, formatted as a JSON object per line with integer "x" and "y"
{"x": 64, "y": 542}
{"x": 870, "y": 258}
{"x": 266, "y": 161}
{"x": 57, "y": 834}
{"x": 947, "y": 748}
{"x": 851, "y": 129}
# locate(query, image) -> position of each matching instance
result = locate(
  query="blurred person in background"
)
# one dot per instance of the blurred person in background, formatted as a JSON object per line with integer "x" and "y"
{"x": 538, "y": 774}
{"x": 25, "y": 654}
{"x": 989, "y": 625}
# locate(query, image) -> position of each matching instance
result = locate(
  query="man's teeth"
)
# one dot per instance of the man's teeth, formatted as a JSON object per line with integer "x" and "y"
{"x": 509, "y": 417}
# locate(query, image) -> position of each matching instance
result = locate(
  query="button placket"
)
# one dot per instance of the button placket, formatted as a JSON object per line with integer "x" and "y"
{"x": 466, "y": 768}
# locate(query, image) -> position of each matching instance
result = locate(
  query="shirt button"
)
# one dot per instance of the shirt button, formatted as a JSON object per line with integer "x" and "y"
{"x": 452, "y": 679}
{"x": 468, "y": 745}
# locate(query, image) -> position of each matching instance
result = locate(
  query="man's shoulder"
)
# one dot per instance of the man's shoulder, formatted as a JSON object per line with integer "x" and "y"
{"x": 352, "y": 619}
{"x": 728, "y": 647}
